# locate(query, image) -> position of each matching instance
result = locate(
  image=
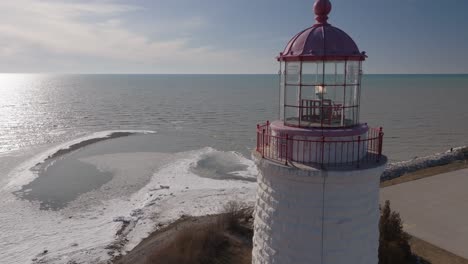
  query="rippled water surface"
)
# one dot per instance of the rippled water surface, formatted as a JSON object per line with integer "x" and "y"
{"x": 71, "y": 188}
{"x": 421, "y": 114}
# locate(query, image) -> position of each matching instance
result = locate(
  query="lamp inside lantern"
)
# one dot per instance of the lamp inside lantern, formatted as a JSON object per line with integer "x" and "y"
{"x": 320, "y": 91}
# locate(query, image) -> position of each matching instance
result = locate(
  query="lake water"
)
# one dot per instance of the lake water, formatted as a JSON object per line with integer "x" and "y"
{"x": 421, "y": 114}
{"x": 192, "y": 133}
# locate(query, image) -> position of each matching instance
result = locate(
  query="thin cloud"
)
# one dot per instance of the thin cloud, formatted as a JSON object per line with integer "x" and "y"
{"x": 101, "y": 31}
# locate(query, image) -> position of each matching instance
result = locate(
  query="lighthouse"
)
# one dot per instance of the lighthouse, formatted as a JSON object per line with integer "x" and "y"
{"x": 320, "y": 164}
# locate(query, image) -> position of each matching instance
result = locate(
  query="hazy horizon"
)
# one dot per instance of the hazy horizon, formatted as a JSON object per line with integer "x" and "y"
{"x": 124, "y": 73}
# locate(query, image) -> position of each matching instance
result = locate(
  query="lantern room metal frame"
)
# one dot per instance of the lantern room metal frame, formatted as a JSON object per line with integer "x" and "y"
{"x": 320, "y": 76}
{"x": 320, "y": 91}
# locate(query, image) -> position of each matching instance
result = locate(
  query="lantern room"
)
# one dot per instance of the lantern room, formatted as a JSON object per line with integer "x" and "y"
{"x": 320, "y": 76}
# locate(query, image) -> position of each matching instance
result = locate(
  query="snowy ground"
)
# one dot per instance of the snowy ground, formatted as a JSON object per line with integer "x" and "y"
{"x": 147, "y": 190}
{"x": 114, "y": 218}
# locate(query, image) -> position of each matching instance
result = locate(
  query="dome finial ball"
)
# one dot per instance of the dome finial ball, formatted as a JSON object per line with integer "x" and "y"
{"x": 321, "y": 9}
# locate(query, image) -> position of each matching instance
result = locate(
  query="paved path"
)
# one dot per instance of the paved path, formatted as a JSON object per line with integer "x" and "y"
{"x": 434, "y": 209}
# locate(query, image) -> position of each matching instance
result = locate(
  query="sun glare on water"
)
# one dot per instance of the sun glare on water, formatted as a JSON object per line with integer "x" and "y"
{"x": 16, "y": 109}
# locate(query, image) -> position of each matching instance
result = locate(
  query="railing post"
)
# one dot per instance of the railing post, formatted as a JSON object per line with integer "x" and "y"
{"x": 287, "y": 149}
{"x": 322, "y": 152}
{"x": 380, "y": 144}
{"x": 358, "y": 151}
{"x": 285, "y": 145}
{"x": 258, "y": 138}
{"x": 268, "y": 132}
{"x": 263, "y": 143}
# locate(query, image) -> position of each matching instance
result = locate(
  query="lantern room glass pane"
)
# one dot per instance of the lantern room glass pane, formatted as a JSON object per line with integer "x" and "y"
{"x": 291, "y": 116}
{"x": 350, "y": 116}
{"x": 293, "y": 70}
{"x": 340, "y": 73}
{"x": 334, "y": 73}
{"x": 335, "y": 95}
{"x": 330, "y": 73}
{"x": 281, "y": 72}
{"x": 353, "y": 70}
{"x": 320, "y": 94}
{"x": 351, "y": 105}
{"x": 351, "y": 95}
{"x": 292, "y": 95}
{"x": 310, "y": 73}
{"x": 308, "y": 93}
{"x": 281, "y": 95}
{"x": 333, "y": 101}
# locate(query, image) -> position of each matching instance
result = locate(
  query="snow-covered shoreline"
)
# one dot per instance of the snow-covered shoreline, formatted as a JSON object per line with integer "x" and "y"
{"x": 148, "y": 190}
{"x": 111, "y": 220}
{"x": 23, "y": 174}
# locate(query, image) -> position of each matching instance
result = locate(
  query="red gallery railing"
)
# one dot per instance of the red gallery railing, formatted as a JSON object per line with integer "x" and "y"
{"x": 325, "y": 152}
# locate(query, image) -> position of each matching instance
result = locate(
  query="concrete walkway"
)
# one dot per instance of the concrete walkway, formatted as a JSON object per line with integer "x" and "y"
{"x": 434, "y": 209}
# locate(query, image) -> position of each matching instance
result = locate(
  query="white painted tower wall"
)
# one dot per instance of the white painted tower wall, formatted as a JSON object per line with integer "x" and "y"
{"x": 316, "y": 216}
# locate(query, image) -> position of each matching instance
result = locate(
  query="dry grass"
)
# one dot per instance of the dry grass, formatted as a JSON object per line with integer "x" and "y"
{"x": 203, "y": 245}
{"x": 222, "y": 241}
{"x": 214, "y": 240}
{"x": 433, "y": 254}
{"x": 237, "y": 217}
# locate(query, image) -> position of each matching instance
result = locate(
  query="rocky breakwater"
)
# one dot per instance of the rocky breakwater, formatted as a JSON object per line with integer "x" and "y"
{"x": 397, "y": 169}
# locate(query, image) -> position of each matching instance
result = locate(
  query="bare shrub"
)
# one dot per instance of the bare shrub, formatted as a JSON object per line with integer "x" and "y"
{"x": 192, "y": 246}
{"x": 236, "y": 215}
{"x": 221, "y": 241}
{"x": 394, "y": 242}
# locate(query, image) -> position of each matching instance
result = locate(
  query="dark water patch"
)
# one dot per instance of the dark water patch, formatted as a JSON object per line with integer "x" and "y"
{"x": 62, "y": 178}
{"x": 63, "y": 182}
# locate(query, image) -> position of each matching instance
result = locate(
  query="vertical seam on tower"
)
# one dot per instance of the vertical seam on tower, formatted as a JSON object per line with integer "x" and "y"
{"x": 323, "y": 217}
{"x": 323, "y": 82}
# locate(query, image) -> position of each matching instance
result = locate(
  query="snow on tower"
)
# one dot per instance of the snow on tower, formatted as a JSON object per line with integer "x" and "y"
{"x": 320, "y": 166}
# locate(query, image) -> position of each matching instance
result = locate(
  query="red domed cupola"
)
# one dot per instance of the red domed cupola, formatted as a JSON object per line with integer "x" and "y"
{"x": 321, "y": 76}
{"x": 321, "y": 41}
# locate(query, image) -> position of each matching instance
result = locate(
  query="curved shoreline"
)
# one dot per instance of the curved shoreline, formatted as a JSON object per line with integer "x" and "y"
{"x": 87, "y": 142}
{"x": 122, "y": 223}
{"x": 24, "y": 172}
{"x": 123, "y": 228}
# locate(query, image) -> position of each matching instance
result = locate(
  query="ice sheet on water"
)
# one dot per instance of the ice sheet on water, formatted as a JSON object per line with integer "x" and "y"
{"x": 98, "y": 224}
{"x": 23, "y": 174}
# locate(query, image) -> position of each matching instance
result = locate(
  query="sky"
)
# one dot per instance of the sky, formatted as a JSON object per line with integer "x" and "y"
{"x": 222, "y": 36}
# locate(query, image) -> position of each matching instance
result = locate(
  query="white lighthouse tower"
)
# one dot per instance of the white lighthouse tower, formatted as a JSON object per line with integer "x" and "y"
{"x": 320, "y": 165}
